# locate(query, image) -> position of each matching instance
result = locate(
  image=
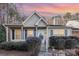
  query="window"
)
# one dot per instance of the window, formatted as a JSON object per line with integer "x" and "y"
{"x": 65, "y": 32}
{"x": 30, "y": 32}
{"x": 58, "y": 32}
{"x": 18, "y": 33}
{"x": 57, "y": 20}
{"x": 51, "y": 32}
{"x": 13, "y": 34}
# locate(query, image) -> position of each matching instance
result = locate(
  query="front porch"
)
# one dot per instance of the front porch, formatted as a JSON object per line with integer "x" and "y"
{"x": 20, "y": 33}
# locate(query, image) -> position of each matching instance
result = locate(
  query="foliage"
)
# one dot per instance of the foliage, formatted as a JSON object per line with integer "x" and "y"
{"x": 34, "y": 44}
{"x": 12, "y": 12}
{"x": 31, "y": 44}
{"x": 63, "y": 42}
{"x": 68, "y": 15}
{"x": 71, "y": 43}
{"x": 2, "y": 33}
{"x": 14, "y": 46}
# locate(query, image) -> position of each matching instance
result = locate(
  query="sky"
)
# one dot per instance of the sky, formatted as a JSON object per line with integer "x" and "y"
{"x": 47, "y": 9}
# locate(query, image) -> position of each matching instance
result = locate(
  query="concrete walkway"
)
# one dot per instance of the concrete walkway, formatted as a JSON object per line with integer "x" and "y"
{"x": 43, "y": 51}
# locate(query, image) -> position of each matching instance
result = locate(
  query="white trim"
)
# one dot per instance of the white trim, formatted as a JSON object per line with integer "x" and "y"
{"x": 47, "y": 39}
{"x": 10, "y": 34}
{"x": 40, "y": 20}
{"x": 14, "y": 34}
{"x": 7, "y": 34}
{"x": 65, "y": 30}
{"x": 31, "y": 16}
{"x": 71, "y": 32}
{"x": 17, "y": 40}
{"x": 24, "y": 34}
{"x": 54, "y": 21}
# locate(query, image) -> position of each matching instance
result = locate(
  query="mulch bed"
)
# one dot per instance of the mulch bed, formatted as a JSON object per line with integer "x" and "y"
{"x": 15, "y": 53}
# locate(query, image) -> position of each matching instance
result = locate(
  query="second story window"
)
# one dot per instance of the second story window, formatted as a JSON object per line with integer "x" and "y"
{"x": 57, "y": 20}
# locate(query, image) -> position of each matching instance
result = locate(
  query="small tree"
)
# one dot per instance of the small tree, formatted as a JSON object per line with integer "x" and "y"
{"x": 2, "y": 33}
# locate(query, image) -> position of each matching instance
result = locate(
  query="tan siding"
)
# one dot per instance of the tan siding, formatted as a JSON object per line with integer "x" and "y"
{"x": 59, "y": 32}
{"x": 50, "y": 21}
{"x": 75, "y": 33}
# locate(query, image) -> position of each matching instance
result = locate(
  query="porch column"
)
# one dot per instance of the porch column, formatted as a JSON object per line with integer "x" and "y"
{"x": 36, "y": 31}
{"x": 6, "y": 34}
{"x": 22, "y": 34}
{"x": 70, "y": 32}
{"x": 47, "y": 40}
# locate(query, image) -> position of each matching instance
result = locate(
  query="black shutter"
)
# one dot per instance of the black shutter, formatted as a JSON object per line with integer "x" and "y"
{"x": 25, "y": 34}
{"x": 13, "y": 34}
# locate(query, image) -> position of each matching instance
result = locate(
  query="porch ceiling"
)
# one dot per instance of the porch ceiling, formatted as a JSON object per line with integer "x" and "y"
{"x": 14, "y": 25}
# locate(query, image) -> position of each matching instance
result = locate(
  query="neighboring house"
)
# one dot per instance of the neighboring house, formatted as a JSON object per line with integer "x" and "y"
{"x": 75, "y": 32}
{"x": 35, "y": 25}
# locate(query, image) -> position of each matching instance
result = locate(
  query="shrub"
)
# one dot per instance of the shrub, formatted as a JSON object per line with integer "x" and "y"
{"x": 31, "y": 44}
{"x": 71, "y": 43}
{"x": 14, "y": 46}
{"x": 34, "y": 44}
{"x": 57, "y": 42}
{"x": 2, "y": 33}
{"x": 60, "y": 42}
{"x": 52, "y": 41}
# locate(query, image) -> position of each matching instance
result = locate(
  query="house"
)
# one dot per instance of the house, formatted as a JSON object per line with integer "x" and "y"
{"x": 75, "y": 32}
{"x": 34, "y": 25}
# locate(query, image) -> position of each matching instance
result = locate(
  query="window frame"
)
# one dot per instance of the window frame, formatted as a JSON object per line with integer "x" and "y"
{"x": 20, "y": 34}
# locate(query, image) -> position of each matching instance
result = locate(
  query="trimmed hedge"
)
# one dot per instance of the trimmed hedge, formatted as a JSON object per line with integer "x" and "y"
{"x": 62, "y": 42}
{"x": 31, "y": 44}
{"x": 22, "y": 46}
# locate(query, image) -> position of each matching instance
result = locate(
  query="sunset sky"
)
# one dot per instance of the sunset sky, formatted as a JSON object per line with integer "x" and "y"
{"x": 47, "y": 9}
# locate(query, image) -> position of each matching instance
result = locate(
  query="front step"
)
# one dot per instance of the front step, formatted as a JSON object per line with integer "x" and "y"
{"x": 45, "y": 54}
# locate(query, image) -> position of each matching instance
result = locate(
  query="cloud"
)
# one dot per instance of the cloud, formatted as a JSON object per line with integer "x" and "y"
{"x": 47, "y": 8}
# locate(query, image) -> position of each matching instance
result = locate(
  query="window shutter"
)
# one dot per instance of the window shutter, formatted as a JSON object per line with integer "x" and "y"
{"x": 65, "y": 32}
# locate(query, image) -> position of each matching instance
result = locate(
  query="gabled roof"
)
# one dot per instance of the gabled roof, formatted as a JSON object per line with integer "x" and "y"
{"x": 42, "y": 20}
{"x": 34, "y": 12}
{"x": 35, "y": 22}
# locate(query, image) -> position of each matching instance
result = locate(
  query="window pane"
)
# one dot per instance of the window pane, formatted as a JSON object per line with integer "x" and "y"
{"x": 18, "y": 33}
{"x": 30, "y": 32}
{"x": 51, "y": 32}
{"x": 65, "y": 32}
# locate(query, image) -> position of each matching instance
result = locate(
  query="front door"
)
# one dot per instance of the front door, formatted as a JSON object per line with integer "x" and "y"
{"x": 42, "y": 33}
